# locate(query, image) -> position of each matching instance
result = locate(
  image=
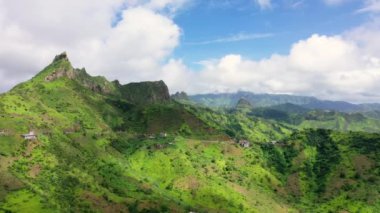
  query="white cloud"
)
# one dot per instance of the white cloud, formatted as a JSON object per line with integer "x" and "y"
{"x": 168, "y": 6}
{"x": 235, "y": 38}
{"x": 178, "y": 76}
{"x": 335, "y": 2}
{"x": 134, "y": 49}
{"x": 171, "y": 5}
{"x": 33, "y": 32}
{"x": 367, "y": 37}
{"x": 372, "y": 6}
{"x": 369, "y": 6}
{"x": 139, "y": 46}
{"x": 323, "y": 54}
{"x": 297, "y": 4}
{"x": 330, "y": 67}
{"x": 264, "y": 4}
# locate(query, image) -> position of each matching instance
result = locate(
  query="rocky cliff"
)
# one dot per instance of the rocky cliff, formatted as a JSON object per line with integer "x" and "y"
{"x": 61, "y": 67}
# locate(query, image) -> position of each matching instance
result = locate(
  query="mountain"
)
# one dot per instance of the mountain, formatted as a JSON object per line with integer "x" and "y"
{"x": 259, "y": 100}
{"x": 370, "y": 107}
{"x": 290, "y": 108}
{"x": 180, "y": 96}
{"x": 99, "y": 146}
{"x": 61, "y": 67}
{"x": 341, "y": 106}
{"x": 229, "y": 100}
{"x": 146, "y": 92}
{"x": 243, "y": 104}
{"x": 316, "y": 167}
{"x": 373, "y": 114}
{"x": 301, "y": 118}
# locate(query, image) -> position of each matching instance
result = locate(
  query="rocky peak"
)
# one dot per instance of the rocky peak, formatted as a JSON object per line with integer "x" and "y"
{"x": 62, "y": 68}
{"x": 62, "y": 56}
{"x": 60, "y": 72}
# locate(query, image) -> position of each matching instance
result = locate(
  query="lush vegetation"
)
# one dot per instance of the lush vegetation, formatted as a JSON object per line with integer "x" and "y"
{"x": 102, "y": 150}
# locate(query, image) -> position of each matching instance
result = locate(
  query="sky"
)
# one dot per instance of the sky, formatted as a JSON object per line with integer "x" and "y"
{"x": 329, "y": 49}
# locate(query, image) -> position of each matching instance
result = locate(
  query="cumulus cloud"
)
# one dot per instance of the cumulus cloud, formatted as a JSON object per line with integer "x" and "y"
{"x": 134, "y": 49}
{"x": 330, "y": 67}
{"x": 130, "y": 49}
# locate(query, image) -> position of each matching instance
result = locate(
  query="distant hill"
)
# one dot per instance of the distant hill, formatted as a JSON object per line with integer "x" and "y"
{"x": 290, "y": 108}
{"x": 180, "y": 96}
{"x": 229, "y": 100}
{"x": 243, "y": 104}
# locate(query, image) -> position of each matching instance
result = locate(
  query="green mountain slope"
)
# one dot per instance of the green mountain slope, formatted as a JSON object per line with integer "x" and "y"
{"x": 301, "y": 118}
{"x": 106, "y": 147}
{"x": 326, "y": 171}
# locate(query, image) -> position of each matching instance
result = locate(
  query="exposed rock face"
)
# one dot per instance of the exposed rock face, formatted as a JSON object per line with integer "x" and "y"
{"x": 97, "y": 84}
{"x": 59, "y": 73}
{"x": 137, "y": 93}
{"x": 180, "y": 96}
{"x": 64, "y": 69}
{"x": 143, "y": 93}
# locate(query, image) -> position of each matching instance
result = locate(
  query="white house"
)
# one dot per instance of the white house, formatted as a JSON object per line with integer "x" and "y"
{"x": 244, "y": 143}
{"x": 3, "y": 132}
{"x": 30, "y": 136}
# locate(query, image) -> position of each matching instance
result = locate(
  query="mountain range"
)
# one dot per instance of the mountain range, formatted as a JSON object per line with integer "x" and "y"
{"x": 264, "y": 100}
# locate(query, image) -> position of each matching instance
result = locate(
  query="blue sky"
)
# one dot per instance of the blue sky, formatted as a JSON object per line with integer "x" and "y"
{"x": 286, "y": 22}
{"x": 329, "y": 49}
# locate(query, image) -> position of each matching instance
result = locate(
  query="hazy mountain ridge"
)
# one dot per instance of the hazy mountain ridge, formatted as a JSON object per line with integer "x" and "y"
{"x": 229, "y": 100}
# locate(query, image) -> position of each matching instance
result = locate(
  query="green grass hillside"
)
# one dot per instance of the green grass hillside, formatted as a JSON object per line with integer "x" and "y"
{"x": 100, "y": 149}
{"x": 326, "y": 171}
{"x": 302, "y": 118}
